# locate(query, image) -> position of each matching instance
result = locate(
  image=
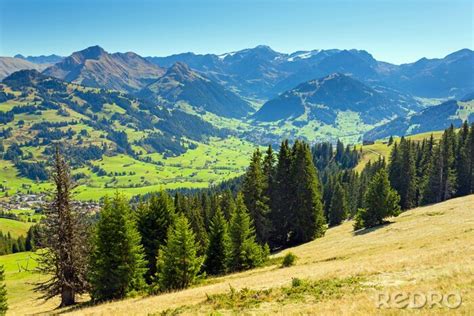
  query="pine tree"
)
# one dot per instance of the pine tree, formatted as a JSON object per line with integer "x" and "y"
{"x": 390, "y": 141}
{"x": 424, "y": 166}
{"x": 246, "y": 253}
{"x": 64, "y": 235}
{"x": 197, "y": 222}
{"x": 3, "y": 293}
{"x": 407, "y": 178}
{"x": 154, "y": 219}
{"x": 381, "y": 201}
{"x": 441, "y": 181}
{"x": 117, "y": 259}
{"x": 227, "y": 204}
{"x": 282, "y": 195}
{"x": 257, "y": 203}
{"x": 269, "y": 174}
{"x": 219, "y": 249}
{"x": 395, "y": 166}
{"x": 206, "y": 209}
{"x": 470, "y": 152}
{"x": 178, "y": 262}
{"x": 307, "y": 219}
{"x": 463, "y": 162}
{"x": 338, "y": 208}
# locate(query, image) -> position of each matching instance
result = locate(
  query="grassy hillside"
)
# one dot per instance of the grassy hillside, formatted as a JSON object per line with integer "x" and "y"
{"x": 381, "y": 148}
{"x": 14, "y": 227}
{"x": 424, "y": 249}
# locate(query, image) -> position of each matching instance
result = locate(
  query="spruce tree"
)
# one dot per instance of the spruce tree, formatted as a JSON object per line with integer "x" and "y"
{"x": 218, "y": 253}
{"x": 178, "y": 262}
{"x": 390, "y": 141}
{"x": 306, "y": 211}
{"x": 269, "y": 174}
{"x": 338, "y": 208}
{"x": 407, "y": 185}
{"x": 381, "y": 201}
{"x": 3, "y": 292}
{"x": 470, "y": 152}
{"x": 197, "y": 222}
{"x": 154, "y": 219}
{"x": 227, "y": 204}
{"x": 441, "y": 183}
{"x": 246, "y": 253}
{"x": 117, "y": 264}
{"x": 463, "y": 161}
{"x": 65, "y": 238}
{"x": 257, "y": 203}
{"x": 282, "y": 195}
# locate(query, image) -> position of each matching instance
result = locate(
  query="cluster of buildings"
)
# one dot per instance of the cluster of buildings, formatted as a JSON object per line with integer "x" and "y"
{"x": 37, "y": 202}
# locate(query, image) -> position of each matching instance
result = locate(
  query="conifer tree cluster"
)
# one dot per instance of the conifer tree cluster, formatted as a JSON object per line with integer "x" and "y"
{"x": 428, "y": 171}
{"x": 164, "y": 243}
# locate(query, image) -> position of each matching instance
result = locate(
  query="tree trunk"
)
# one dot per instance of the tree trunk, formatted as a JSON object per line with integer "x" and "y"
{"x": 67, "y": 297}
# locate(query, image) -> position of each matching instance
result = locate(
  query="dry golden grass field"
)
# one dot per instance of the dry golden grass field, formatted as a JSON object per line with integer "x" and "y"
{"x": 424, "y": 250}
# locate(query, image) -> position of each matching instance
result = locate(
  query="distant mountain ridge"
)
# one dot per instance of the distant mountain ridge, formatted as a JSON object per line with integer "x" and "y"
{"x": 321, "y": 99}
{"x": 9, "y": 65}
{"x": 180, "y": 83}
{"x": 263, "y": 73}
{"x": 433, "y": 118}
{"x": 42, "y": 59}
{"x": 95, "y": 67}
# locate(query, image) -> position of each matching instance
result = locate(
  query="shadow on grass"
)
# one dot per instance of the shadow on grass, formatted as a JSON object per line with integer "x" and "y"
{"x": 364, "y": 231}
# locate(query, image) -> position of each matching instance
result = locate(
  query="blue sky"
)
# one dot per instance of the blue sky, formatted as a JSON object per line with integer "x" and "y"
{"x": 396, "y": 31}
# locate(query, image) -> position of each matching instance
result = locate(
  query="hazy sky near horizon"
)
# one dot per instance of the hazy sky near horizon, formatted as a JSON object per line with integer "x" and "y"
{"x": 395, "y": 31}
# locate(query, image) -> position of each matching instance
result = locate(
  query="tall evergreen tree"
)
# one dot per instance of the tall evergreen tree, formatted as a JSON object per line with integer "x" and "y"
{"x": 470, "y": 152}
{"x": 381, "y": 201}
{"x": 218, "y": 253}
{"x": 307, "y": 219}
{"x": 338, "y": 208}
{"x": 197, "y": 221}
{"x": 441, "y": 175}
{"x": 227, "y": 204}
{"x": 282, "y": 195}
{"x": 269, "y": 174}
{"x": 178, "y": 262}
{"x": 3, "y": 292}
{"x": 407, "y": 179}
{"x": 117, "y": 259}
{"x": 154, "y": 219}
{"x": 463, "y": 161}
{"x": 253, "y": 189}
{"x": 64, "y": 235}
{"x": 246, "y": 253}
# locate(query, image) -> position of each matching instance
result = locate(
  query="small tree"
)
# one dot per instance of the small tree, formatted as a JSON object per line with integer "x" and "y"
{"x": 178, "y": 262}
{"x": 154, "y": 219}
{"x": 338, "y": 207}
{"x": 246, "y": 253}
{"x": 381, "y": 201}
{"x": 219, "y": 249}
{"x": 117, "y": 258}
{"x": 64, "y": 236}
{"x": 3, "y": 293}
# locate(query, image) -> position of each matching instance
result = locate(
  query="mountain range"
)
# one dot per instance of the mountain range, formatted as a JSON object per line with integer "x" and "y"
{"x": 322, "y": 99}
{"x": 263, "y": 73}
{"x": 180, "y": 83}
{"x": 304, "y": 88}
{"x": 92, "y": 116}
{"x": 95, "y": 67}
{"x": 433, "y": 118}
